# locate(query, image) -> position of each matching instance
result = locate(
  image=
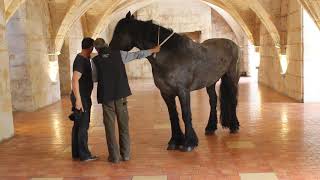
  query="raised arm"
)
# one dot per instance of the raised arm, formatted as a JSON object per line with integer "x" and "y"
{"x": 129, "y": 56}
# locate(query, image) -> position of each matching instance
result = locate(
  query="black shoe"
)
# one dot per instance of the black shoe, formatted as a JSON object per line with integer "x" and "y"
{"x": 91, "y": 158}
{"x": 75, "y": 158}
{"x": 113, "y": 160}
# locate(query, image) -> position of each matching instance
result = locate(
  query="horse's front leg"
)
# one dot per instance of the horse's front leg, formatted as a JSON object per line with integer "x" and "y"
{"x": 191, "y": 139}
{"x": 177, "y": 138}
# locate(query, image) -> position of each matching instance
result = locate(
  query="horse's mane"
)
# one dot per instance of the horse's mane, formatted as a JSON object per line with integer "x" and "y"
{"x": 148, "y": 30}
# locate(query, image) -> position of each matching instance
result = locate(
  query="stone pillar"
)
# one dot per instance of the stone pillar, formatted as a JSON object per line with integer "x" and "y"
{"x": 42, "y": 60}
{"x": 64, "y": 69}
{"x": 6, "y": 119}
{"x": 290, "y": 83}
{"x": 33, "y": 63}
{"x": 20, "y": 81}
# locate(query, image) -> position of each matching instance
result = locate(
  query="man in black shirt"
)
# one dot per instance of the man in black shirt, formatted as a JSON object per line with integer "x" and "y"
{"x": 82, "y": 86}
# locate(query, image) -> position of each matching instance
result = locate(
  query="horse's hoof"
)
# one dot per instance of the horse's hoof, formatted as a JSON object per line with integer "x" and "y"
{"x": 209, "y": 132}
{"x": 234, "y": 131}
{"x": 187, "y": 148}
{"x": 172, "y": 147}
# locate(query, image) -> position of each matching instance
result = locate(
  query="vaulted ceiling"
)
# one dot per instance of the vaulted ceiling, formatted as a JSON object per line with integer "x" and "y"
{"x": 96, "y": 14}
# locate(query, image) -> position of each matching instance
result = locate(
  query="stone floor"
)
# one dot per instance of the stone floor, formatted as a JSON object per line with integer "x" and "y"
{"x": 279, "y": 139}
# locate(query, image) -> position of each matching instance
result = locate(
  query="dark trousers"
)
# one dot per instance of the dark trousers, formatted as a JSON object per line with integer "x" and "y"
{"x": 80, "y": 131}
{"x": 110, "y": 110}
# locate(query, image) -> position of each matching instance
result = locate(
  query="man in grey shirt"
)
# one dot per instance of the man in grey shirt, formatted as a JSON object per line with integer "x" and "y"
{"x": 113, "y": 89}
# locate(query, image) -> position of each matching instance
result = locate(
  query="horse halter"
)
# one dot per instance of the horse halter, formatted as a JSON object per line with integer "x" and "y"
{"x": 164, "y": 41}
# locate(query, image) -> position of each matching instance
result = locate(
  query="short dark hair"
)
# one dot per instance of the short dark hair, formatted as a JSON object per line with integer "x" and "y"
{"x": 87, "y": 43}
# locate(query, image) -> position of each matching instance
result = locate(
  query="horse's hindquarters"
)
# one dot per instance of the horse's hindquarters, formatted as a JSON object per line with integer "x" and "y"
{"x": 218, "y": 56}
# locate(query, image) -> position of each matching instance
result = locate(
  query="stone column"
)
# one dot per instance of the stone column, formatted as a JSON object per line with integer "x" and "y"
{"x": 64, "y": 69}
{"x": 6, "y": 119}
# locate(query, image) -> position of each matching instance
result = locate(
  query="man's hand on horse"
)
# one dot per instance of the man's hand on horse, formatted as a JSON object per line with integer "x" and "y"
{"x": 155, "y": 49}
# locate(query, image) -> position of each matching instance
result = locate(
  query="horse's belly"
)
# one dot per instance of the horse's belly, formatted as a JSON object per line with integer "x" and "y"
{"x": 163, "y": 85}
{"x": 207, "y": 75}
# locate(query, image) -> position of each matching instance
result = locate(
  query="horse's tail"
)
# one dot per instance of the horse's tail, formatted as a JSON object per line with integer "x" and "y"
{"x": 229, "y": 95}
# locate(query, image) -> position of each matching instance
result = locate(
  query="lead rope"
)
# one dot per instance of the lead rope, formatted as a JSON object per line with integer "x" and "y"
{"x": 155, "y": 54}
{"x": 164, "y": 41}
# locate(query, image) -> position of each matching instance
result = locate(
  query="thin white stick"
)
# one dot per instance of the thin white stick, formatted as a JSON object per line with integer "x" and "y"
{"x": 159, "y": 35}
{"x": 164, "y": 41}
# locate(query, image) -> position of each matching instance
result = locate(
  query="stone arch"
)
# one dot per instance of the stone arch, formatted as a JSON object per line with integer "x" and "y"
{"x": 313, "y": 8}
{"x": 230, "y": 10}
{"x": 11, "y": 8}
{"x": 255, "y": 6}
{"x": 78, "y": 9}
{"x": 108, "y": 16}
{"x": 264, "y": 17}
{"x": 74, "y": 13}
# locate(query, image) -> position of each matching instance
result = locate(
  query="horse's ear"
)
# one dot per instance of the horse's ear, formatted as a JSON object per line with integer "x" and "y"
{"x": 132, "y": 17}
{"x": 128, "y": 16}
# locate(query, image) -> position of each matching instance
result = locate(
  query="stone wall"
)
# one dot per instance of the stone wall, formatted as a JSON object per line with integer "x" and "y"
{"x": 220, "y": 28}
{"x": 43, "y": 69}
{"x": 192, "y": 16}
{"x": 6, "y": 119}
{"x": 21, "y": 90}
{"x": 290, "y": 21}
{"x": 29, "y": 36}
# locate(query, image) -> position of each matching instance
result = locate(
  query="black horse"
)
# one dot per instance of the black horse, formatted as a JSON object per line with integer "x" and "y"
{"x": 183, "y": 66}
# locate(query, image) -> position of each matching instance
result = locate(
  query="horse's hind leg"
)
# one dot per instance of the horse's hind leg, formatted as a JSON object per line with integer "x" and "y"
{"x": 212, "y": 122}
{"x": 229, "y": 100}
{"x": 177, "y": 138}
{"x": 191, "y": 139}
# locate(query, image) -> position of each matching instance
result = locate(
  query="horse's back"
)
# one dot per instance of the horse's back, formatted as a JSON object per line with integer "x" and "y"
{"x": 220, "y": 54}
{"x": 222, "y": 45}
{"x": 199, "y": 67}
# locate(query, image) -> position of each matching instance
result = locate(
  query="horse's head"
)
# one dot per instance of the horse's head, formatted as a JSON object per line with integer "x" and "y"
{"x": 124, "y": 34}
{"x": 130, "y": 33}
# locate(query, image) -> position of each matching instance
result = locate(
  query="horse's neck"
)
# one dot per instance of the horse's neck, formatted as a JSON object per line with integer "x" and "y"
{"x": 176, "y": 45}
{"x": 167, "y": 54}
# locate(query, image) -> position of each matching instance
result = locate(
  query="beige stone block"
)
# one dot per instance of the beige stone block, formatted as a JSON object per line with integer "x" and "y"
{"x": 294, "y": 38}
{"x": 294, "y": 6}
{"x": 18, "y": 73}
{"x": 23, "y": 103}
{"x": 295, "y": 21}
{"x": 6, "y": 119}
{"x": 17, "y": 59}
{"x": 260, "y": 176}
{"x": 298, "y": 86}
{"x": 149, "y": 178}
{"x": 6, "y": 124}
{"x": 294, "y": 52}
{"x": 295, "y": 68}
{"x": 288, "y": 82}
